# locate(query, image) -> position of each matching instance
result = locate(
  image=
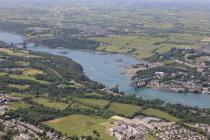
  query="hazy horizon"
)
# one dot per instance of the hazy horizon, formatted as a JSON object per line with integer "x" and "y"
{"x": 107, "y": 1}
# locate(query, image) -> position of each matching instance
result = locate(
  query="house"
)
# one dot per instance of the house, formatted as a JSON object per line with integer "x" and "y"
{"x": 22, "y": 136}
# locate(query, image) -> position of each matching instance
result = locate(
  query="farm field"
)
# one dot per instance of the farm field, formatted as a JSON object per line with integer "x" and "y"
{"x": 18, "y": 105}
{"x": 34, "y": 33}
{"x": 23, "y": 63}
{"x": 2, "y": 73}
{"x": 50, "y": 103}
{"x": 124, "y": 109}
{"x": 81, "y": 107}
{"x": 150, "y": 137}
{"x": 19, "y": 95}
{"x": 140, "y": 46}
{"x": 26, "y": 77}
{"x": 160, "y": 114}
{"x": 18, "y": 53}
{"x": 92, "y": 102}
{"x": 145, "y": 46}
{"x": 19, "y": 87}
{"x": 31, "y": 72}
{"x": 80, "y": 125}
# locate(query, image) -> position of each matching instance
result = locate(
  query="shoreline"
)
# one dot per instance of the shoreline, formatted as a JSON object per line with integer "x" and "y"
{"x": 159, "y": 93}
{"x": 129, "y": 70}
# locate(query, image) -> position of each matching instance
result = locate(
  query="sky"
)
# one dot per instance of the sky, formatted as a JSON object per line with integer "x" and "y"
{"x": 112, "y": 2}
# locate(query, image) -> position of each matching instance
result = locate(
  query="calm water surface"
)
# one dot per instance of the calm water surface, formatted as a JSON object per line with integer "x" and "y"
{"x": 105, "y": 69}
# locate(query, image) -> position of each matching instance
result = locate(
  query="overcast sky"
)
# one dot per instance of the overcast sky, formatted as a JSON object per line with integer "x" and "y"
{"x": 112, "y": 2}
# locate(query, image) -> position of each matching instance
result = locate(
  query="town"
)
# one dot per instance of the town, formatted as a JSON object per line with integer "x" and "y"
{"x": 4, "y": 100}
{"x": 175, "y": 72}
{"x": 25, "y": 131}
{"x": 104, "y": 70}
{"x": 136, "y": 128}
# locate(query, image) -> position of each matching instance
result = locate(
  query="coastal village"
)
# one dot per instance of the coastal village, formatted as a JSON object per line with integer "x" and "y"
{"x": 49, "y": 95}
{"x": 136, "y": 128}
{"x": 121, "y": 128}
{"x": 26, "y": 131}
{"x": 22, "y": 130}
{"x": 179, "y": 70}
{"x": 4, "y": 100}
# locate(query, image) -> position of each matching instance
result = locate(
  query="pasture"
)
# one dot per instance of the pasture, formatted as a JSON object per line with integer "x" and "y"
{"x": 160, "y": 114}
{"x": 2, "y": 74}
{"x": 92, "y": 102}
{"x": 150, "y": 137}
{"x": 144, "y": 46}
{"x": 80, "y": 125}
{"x": 31, "y": 72}
{"x": 81, "y": 107}
{"x": 51, "y": 103}
{"x": 124, "y": 109}
{"x": 18, "y": 105}
{"x": 19, "y": 87}
{"x": 18, "y": 53}
{"x": 26, "y": 77}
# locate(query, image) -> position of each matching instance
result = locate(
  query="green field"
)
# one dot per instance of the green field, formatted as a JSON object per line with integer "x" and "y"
{"x": 19, "y": 87}
{"x": 145, "y": 46}
{"x": 51, "y": 103}
{"x": 92, "y": 102}
{"x": 124, "y": 109}
{"x": 81, "y": 125}
{"x": 18, "y": 53}
{"x": 31, "y": 72}
{"x": 18, "y": 105}
{"x": 19, "y": 95}
{"x": 81, "y": 107}
{"x": 26, "y": 77}
{"x": 150, "y": 137}
{"x": 3, "y": 73}
{"x": 33, "y": 33}
{"x": 94, "y": 94}
{"x": 140, "y": 46}
{"x": 23, "y": 63}
{"x": 160, "y": 114}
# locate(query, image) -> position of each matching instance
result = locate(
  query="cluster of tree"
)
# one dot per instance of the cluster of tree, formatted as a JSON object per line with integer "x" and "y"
{"x": 150, "y": 72}
{"x": 174, "y": 53}
{"x": 14, "y": 27}
{"x": 187, "y": 114}
{"x": 57, "y": 71}
{"x": 73, "y": 43}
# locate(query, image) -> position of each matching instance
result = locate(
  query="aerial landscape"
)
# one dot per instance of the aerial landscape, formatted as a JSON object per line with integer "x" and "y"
{"x": 104, "y": 70}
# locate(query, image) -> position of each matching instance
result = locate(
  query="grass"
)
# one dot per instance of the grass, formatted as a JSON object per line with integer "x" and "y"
{"x": 31, "y": 72}
{"x": 144, "y": 46}
{"x": 18, "y": 53}
{"x": 19, "y": 95}
{"x": 94, "y": 94}
{"x": 124, "y": 109}
{"x": 80, "y": 125}
{"x": 140, "y": 46}
{"x": 184, "y": 38}
{"x": 81, "y": 107}
{"x": 23, "y": 63}
{"x": 26, "y": 77}
{"x": 92, "y": 102}
{"x": 18, "y": 105}
{"x": 3, "y": 73}
{"x": 38, "y": 32}
{"x": 51, "y": 103}
{"x": 19, "y": 87}
{"x": 150, "y": 137}
{"x": 160, "y": 114}
{"x": 207, "y": 39}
